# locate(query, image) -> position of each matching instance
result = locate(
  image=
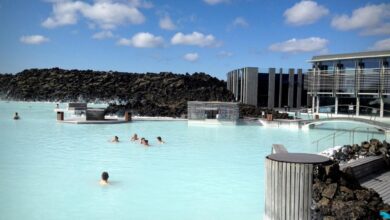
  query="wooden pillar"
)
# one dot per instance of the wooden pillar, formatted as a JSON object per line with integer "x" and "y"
{"x": 288, "y": 185}
{"x": 127, "y": 116}
{"x": 60, "y": 116}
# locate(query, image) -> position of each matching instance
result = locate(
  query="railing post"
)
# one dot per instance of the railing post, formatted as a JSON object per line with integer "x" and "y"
{"x": 357, "y": 106}
{"x": 382, "y": 106}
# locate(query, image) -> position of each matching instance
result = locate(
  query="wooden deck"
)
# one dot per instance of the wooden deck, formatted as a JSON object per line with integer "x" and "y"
{"x": 372, "y": 173}
{"x": 380, "y": 183}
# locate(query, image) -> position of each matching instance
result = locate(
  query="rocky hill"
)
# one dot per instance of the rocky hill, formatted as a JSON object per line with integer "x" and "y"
{"x": 152, "y": 94}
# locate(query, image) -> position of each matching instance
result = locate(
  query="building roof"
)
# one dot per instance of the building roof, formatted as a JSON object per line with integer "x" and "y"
{"x": 347, "y": 56}
{"x": 213, "y": 102}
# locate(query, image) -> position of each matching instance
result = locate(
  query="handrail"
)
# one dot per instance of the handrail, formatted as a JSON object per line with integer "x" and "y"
{"x": 333, "y": 135}
{"x": 339, "y": 133}
{"x": 381, "y": 125}
{"x": 373, "y": 116}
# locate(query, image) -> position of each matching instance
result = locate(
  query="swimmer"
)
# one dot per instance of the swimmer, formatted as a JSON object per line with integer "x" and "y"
{"x": 142, "y": 141}
{"x": 134, "y": 138}
{"x": 16, "y": 116}
{"x": 115, "y": 139}
{"x": 146, "y": 143}
{"x": 159, "y": 140}
{"x": 104, "y": 180}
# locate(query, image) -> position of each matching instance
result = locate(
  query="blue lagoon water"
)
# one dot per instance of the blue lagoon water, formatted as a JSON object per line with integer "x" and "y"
{"x": 50, "y": 170}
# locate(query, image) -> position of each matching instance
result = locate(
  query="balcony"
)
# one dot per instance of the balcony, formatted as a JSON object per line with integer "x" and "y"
{"x": 349, "y": 82}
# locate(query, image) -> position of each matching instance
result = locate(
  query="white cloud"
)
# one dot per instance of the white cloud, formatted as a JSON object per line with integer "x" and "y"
{"x": 372, "y": 19}
{"x": 64, "y": 13}
{"x": 240, "y": 22}
{"x": 34, "y": 39}
{"x": 383, "y": 29}
{"x": 166, "y": 23}
{"x": 142, "y": 40}
{"x": 224, "y": 53}
{"x": 103, "y": 35}
{"x": 215, "y": 2}
{"x": 381, "y": 45}
{"x": 192, "y": 57}
{"x": 106, "y": 14}
{"x": 141, "y": 4}
{"x": 305, "y": 12}
{"x": 195, "y": 39}
{"x": 109, "y": 15}
{"x": 300, "y": 45}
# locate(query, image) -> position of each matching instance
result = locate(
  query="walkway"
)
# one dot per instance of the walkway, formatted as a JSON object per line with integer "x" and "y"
{"x": 378, "y": 124}
{"x": 380, "y": 183}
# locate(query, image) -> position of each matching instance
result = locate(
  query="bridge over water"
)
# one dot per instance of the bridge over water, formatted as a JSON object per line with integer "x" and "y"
{"x": 377, "y": 124}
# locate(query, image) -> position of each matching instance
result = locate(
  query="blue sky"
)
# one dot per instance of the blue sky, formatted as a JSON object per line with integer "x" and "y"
{"x": 212, "y": 36}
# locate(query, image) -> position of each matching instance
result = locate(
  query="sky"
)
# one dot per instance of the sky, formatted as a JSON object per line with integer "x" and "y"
{"x": 185, "y": 36}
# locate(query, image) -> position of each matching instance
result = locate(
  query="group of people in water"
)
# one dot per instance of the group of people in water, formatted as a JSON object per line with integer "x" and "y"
{"x": 142, "y": 141}
{"x": 134, "y": 138}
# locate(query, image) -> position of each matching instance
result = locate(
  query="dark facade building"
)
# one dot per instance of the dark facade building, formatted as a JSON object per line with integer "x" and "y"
{"x": 268, "y": 89}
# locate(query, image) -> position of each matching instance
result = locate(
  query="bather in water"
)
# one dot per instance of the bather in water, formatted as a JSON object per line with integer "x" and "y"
{"x": 115, "y": 139}
{"x": 16, "y": 116}
{"x": 104, "y": 180}
{"x": 159, "y": 140}
{"x": 134, "y": 138}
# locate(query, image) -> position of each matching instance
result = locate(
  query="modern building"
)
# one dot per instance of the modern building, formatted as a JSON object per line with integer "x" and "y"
{"x": 215, "y": 112}
{"x": 268, "y": 89}
{"x": 357, "y": 83}
{"x": 243, "y": 84}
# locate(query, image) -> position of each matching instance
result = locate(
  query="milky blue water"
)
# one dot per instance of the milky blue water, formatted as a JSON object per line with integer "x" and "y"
{"x": 50, "y": 170}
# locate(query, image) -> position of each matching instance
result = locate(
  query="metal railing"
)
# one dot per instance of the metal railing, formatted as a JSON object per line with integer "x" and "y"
{"x": 347, "y": 81}
{"x": 372, "y": 112}
{"x": 351, "y": 137}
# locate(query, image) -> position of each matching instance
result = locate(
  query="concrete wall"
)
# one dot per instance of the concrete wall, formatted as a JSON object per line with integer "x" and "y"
{"x": 299, "y": 88}
{"x": 291, "y": 88}
{"x": 271, "y": 88}
{"x": 243, "y": 84}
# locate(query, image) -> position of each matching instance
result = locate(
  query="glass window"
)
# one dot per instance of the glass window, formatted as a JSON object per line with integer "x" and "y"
{"x": 371, "y": 63}
{"x": 347, "y": 64}
{"x": 328, "y": 65}
{"x": 386, "y": 62}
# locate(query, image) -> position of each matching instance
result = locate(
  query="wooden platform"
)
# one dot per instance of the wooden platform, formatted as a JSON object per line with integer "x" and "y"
{"x": 83, "y": 121}
{"x": 372, "y": 173}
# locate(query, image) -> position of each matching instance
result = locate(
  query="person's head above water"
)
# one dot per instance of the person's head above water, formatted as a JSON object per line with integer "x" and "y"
{"x": 159, "y": 139}
{"x": 105, "y": 176}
